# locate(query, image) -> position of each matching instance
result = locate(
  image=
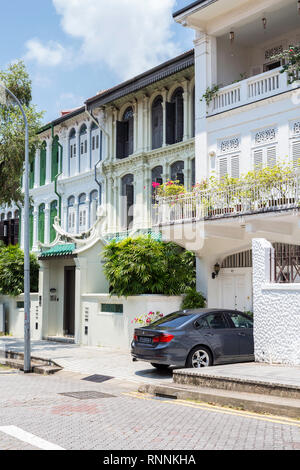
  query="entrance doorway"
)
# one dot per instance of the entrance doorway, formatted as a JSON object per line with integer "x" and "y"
{"x": 234, "y": 292}
{"x": 69, "y": 301}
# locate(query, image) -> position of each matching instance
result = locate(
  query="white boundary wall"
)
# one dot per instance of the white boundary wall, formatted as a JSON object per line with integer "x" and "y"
{"x": 116, "y": 329}
{"x": 276, "y": 312}
{"x": 16, "y": 316}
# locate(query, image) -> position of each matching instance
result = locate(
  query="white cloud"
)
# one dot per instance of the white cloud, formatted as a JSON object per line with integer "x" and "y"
{"x": 50, "y": 55}
{"x": 68, "y": 101}
{"x": 129, "y": 36}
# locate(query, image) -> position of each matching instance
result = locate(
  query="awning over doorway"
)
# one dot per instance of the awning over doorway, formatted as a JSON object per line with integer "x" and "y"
{"x": 58, "y": 251}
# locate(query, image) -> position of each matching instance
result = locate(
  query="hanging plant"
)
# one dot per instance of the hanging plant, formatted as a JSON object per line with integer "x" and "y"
{"x": 210, "y": 94}
{"x": 291, "y": 66}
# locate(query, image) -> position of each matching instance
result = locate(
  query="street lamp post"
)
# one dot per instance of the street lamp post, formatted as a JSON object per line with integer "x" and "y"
{"x": 27, "y": 346}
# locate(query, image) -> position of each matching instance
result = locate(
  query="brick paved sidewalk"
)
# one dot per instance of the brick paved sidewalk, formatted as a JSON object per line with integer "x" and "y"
{"x": 86, "y": 360}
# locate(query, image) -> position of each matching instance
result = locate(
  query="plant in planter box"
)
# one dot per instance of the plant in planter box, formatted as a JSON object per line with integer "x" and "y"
{"x": 193, "y": 300}
{"x": 291, "y": 65}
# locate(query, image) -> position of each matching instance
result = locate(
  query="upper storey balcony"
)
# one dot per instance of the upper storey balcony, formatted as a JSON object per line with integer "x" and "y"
{"x": 236, "y": 42}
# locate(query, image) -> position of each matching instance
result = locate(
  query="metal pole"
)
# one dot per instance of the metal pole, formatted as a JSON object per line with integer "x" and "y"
{"x": 27, "y": 345}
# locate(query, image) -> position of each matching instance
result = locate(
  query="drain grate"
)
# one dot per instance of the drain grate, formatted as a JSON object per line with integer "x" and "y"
{"x": 90, "y": 395}
{"x": 98, "y": 378}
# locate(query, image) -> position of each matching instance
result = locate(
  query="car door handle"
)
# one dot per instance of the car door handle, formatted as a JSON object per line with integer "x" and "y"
{"x": 241, "y": 334}
{"x": 209, "y": 334}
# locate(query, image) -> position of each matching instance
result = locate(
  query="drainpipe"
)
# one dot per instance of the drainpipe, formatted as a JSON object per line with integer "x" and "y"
{"x": 89, "y": 113}
{"x": 59, "y": 173}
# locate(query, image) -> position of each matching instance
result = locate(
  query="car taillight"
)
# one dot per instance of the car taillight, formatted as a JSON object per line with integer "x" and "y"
{"x": 135, "y": 338}
{"x": 162, "y": 339}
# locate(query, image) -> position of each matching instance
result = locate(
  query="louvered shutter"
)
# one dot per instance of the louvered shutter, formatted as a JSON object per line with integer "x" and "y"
{"x": 179, "y": 118}
{"x": 296, "y": 154}
{"x": 235, "y": 166}
{"x": 258, "y": 159}
{"x": 120, "y": 138}
{"x": 271, "y": 156}
{"x": 170, "y": 127}
{"x": 223, "y": 168}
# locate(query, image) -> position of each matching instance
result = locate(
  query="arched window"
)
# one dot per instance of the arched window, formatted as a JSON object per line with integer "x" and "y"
{"x": 2, "y": 217}
{"x": 94, "y": 201}
{"x": 83, "y": 213}
{"x": 43, "y": 163}
{"x": 156, "y": 176}
{"x": 71, "y": 214}
{"x": 193, "y": 113}
{"x": 157, "y": 123}
{"x": 95, "y": 143}
{"x": 83, "y": 148}
{"x": 177, "y": 172}
{"x": 72, "y": 152}
{"x": 16, "y": 214}
{"x": 31, "y": 168}
{"x": 53, "y": 214}
{"x": 9, "y": 216}
{"x": 127, "y": 201}
{"x": 55, "y": 158}
{"x": 125, "y": 134}
{"x": 41, "y": 226}
{"x": 174, "y": 111}
{"x": 31, "y": 228}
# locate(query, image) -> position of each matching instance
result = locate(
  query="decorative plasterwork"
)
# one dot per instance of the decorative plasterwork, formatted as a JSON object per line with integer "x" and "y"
{"x": 296, "y": 128}
{"x": 229, "y": 145}
{"x": 273, "y": 51}
{"x": 265, "y": 136}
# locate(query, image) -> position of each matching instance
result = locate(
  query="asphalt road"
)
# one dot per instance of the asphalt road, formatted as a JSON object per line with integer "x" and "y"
{"x": 35, "y": 414}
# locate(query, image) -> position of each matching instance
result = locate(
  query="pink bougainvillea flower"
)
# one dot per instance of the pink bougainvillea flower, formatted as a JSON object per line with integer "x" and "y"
{"x": 155, "y": 185}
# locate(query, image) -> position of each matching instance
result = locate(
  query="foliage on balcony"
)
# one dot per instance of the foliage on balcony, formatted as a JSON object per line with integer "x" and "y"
{"x": 291, "y": 65}
{"x": 138, "y": 266}
{"x": 210, "y": 94}
{"x": 171, "y": 188}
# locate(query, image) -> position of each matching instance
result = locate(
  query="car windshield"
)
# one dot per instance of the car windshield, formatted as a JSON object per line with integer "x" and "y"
{"x": 174, "y": 320}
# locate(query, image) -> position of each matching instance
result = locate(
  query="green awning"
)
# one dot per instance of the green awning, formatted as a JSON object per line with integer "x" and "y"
{"x": 66, "y": 249}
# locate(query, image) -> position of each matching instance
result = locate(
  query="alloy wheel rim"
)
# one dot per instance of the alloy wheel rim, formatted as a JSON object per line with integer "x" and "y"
{"x": 200, "y": 359}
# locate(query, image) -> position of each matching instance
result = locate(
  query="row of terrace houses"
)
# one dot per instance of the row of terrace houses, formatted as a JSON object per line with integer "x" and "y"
{"x": 92, "y": 178}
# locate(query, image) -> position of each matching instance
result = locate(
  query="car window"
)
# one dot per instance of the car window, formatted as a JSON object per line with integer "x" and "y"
{"x": 216, "y": 321}
{"x": 241, "y": 321}
{"x": 174, "y": 320}
{"x": 201, "y": 323}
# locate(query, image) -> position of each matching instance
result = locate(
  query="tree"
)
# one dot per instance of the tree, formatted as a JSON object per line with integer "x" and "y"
{"x": 12, "y": 271}
{"x": 12, "y": 137}
{"x": 137, "y": 266}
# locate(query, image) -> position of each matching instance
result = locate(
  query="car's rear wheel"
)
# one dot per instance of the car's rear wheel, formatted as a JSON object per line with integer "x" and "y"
{"x": 160, "y": 366}
{"x": 199, "y": 357}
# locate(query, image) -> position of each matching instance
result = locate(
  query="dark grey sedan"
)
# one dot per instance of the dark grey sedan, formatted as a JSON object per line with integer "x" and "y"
{"x": 195, "y": 338}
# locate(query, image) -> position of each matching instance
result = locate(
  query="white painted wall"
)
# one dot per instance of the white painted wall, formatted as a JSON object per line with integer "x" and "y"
{"x": 116, "y": 330}
{"x": 16, "y": 316}
{"x": 276, "y": 312}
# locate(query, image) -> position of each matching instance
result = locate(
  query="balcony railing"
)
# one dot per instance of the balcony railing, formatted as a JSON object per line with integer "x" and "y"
{"x": 250, "y": 90}
{"x": 230, "y": 202}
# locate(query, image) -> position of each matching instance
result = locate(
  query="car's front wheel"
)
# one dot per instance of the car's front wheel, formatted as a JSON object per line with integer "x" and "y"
{"x": 160, "y": 366}
{"x": 199, "y": 357}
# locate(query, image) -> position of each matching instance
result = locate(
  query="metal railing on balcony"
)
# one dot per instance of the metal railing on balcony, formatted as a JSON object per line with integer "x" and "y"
{"x": 285, "y": 264}
{"x": 230, "y": 202}
{"x": 249, "y": 90}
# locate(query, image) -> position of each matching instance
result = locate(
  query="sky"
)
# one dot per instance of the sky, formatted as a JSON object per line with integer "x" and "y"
{"x": 75, "y": 48}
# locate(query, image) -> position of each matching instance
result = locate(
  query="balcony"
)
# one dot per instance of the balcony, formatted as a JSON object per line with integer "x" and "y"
{"x": 248, "y": 91}
{"x": 233, "y": 202}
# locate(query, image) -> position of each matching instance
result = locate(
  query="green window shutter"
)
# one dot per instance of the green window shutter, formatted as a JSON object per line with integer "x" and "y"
{"x": 20, "y": 226}
{"x": 55, "y": 158}
{"x": 42, "y": 223}
{"x": 43, "y": 160}
{"x": 31, "y": 173}
{"x": 31, "y": 228}
{"x": 53, "y": 214}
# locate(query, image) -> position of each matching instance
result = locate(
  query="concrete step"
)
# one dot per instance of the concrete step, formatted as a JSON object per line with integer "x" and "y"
{"x": 60, "y": 339}
{"x": 252, "y": 402}
{"x": 207, "y": 379}
{"x": 38, "y": 365}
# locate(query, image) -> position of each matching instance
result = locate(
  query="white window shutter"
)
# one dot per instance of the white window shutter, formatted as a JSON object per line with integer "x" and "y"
{"x": 258, "y": 159}
{"x": 235, "y": 166}
{"x": 271, "y": 156}
{"x": 223, "y": 167}
{"x": 296, "y": 154}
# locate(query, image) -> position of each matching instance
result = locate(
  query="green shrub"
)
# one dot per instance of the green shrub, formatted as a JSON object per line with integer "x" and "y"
{"x": 192, "y": 300}
{"x": 137, "y": 266}
{"x": 12, "y": 271}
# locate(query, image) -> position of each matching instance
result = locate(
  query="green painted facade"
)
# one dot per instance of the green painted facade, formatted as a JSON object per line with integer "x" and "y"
{"x": 41, "y": 231}
{"x": 55, "y": 158}
{"x": 43, "y": 160}
{"x": 53, "y": 214}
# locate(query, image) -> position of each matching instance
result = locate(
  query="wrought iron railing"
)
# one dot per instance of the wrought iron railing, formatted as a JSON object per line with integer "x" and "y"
{"x": 230, "y": 202}
{"x": 285, "y": 264}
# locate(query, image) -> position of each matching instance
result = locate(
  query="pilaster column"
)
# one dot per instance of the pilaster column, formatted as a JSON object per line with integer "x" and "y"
{"x": 206, "y": 68}
{"x": 164, "y": 93}
{"x": 186, "y": 110}
{"x": 37, "y": 169}
{"x": 35, "y": 229}
{"x": 89, "y": 145}
{"x": 47, "y": 223}
{"x": 135, "y": 125}
{"x": 114, "y": 133}
{"x": 78, "y": 152}
{"x": 64, "y": 222}
{"x": 48, "y": 160}
{"x": 76, "y": 209}
{"x": 146, "y": 125}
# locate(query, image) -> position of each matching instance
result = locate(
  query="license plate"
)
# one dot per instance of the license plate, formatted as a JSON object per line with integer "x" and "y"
{"x": 145, "y": 340}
